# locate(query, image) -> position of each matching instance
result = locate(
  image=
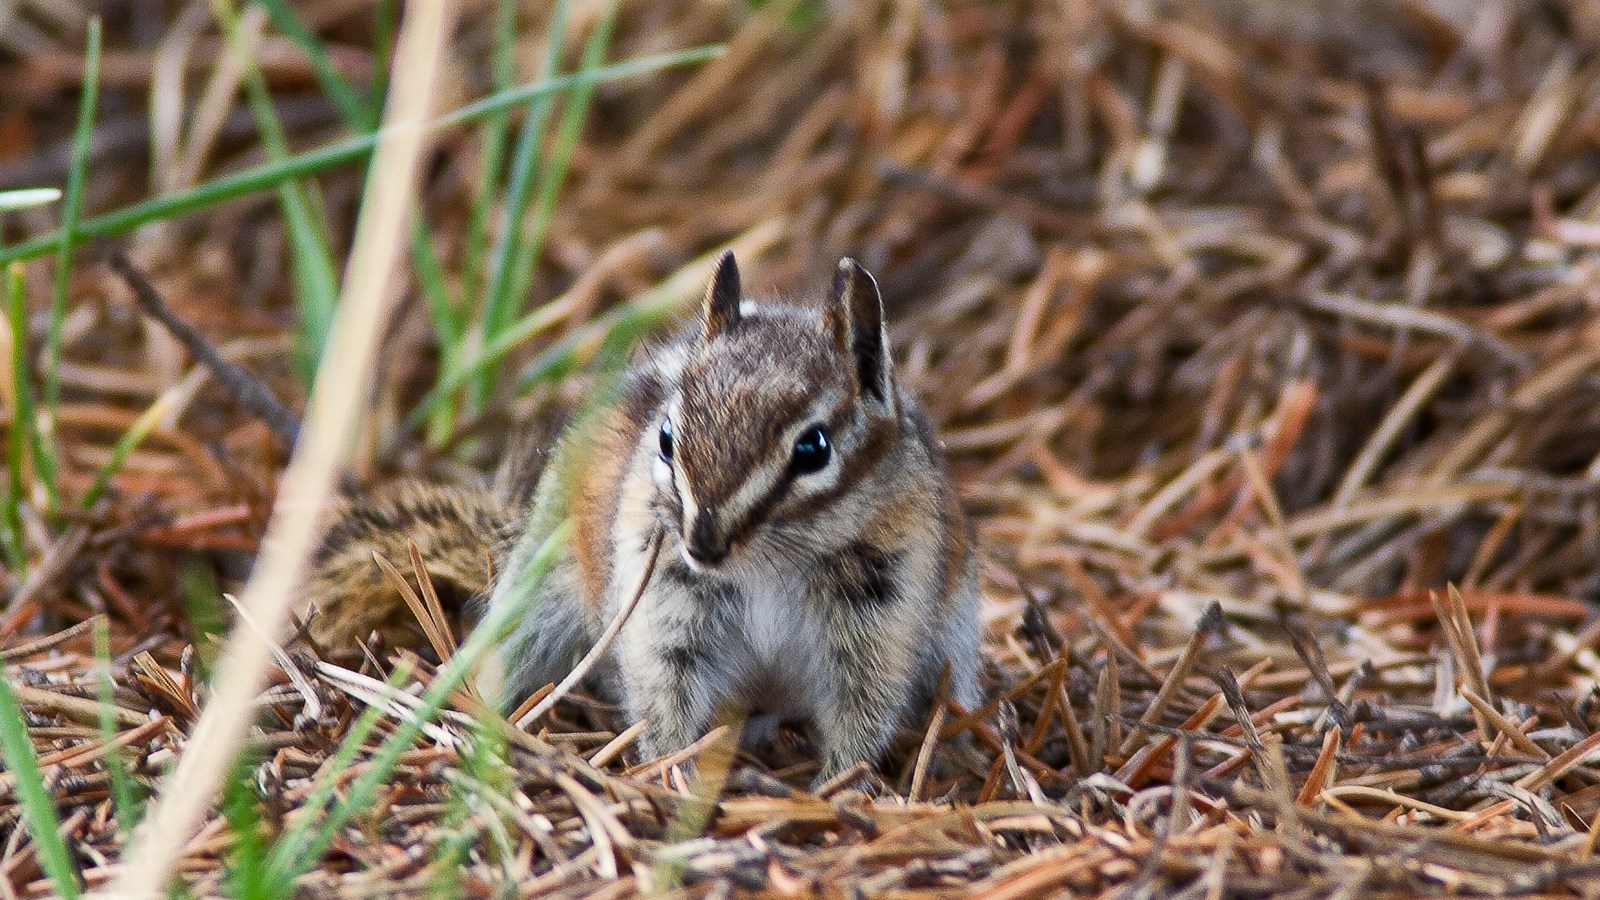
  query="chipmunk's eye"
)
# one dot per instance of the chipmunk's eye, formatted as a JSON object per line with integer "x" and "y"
{"x": 666, "y": 440}
{"x": 811, "y": 451}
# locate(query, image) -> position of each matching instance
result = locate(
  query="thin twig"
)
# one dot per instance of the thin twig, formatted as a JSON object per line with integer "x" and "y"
{"x": 602, "y": 645}
{"x": 246, "y": 389}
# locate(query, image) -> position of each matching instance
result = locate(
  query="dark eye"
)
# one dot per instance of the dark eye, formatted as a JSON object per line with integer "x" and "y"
{"x": 666, "y": 440}
{"x": 811, "y": 451}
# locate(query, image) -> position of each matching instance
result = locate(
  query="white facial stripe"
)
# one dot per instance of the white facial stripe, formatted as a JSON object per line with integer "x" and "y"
{"x": 685, "y": 495}
{"x": 690, "y": 507}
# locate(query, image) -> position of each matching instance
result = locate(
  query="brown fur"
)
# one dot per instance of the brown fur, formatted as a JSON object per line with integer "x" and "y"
{"x": 458, "y": 531}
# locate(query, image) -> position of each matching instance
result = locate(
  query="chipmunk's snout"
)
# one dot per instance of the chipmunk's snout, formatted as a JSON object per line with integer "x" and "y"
{"x": 703, "y": 543}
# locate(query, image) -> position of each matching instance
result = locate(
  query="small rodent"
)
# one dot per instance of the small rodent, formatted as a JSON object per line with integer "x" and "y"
{"x": 815, "y": 563}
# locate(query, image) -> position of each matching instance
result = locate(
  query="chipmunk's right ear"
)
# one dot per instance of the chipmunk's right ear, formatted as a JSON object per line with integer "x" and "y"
{"x": 855, "y": 316}
{"x": 722, "y": 297}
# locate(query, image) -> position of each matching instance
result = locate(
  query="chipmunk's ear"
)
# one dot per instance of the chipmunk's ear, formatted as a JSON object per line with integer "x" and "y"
{"x": 855, "y": 316}
{"x": 722, "y": 297}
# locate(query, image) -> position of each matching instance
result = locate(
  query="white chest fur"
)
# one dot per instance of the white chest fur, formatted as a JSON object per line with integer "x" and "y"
{"x": 777, "y": 644}
{"x": 778, "y": 624}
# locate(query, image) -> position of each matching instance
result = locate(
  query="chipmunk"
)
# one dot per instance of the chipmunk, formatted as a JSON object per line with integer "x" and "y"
{"x": 814, "y": 562}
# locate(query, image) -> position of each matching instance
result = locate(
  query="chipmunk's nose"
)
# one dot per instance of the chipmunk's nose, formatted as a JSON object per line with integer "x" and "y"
{"x": 701, "y": 542}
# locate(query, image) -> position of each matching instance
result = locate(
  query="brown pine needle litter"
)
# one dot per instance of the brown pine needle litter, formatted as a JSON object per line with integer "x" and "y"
{"x": 1264, "y": 339}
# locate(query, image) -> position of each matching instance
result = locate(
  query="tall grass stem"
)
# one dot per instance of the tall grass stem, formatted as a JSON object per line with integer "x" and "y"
{"x": 334, "y": 409}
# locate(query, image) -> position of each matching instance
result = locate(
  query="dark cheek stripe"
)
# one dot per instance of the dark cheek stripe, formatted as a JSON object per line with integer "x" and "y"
{"x": 715, "y": 464}
{"x": 866, "y": 456}
{"x": 856, "y": 466}
{"x": 669, "y": 510}
{"x": 758, "y": 513}
{"x": 866, "y": 575}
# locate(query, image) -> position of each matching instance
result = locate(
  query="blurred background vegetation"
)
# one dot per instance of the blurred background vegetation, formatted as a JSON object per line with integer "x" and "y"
{"x": 1285, "y": 306}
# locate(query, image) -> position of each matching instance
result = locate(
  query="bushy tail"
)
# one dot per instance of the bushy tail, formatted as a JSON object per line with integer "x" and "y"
{"x": 462, "y": 534}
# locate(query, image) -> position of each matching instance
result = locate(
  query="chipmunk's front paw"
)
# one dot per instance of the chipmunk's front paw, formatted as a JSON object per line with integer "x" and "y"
{"x": 839, "y": 773}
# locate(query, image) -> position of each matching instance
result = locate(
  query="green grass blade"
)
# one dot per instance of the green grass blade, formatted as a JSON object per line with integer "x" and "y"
{"x": 16, "y": 442}
{"x": 11, "y": 533}
{"x": 447, "y": 323}
{"x": 353, "y": 107}
{"x": 639, "y": 65}
{"x": 269, "y": 176}
{"x": 254, "y": 180}
{"x": 316, "y": 280}
{"x": 495, "y": 134}
{"x": 43, "y": 431}
{"x": 500, "y": 304}
{"x": 487, "y": 356}
{"x": 610, "y": 338}
{"x": 450, "y": 853}
{"x": 130, "y": 440}
{"x": 382, "y": 51}
{"x": 554, "y": 172}
{"x": 245, "y": 875}
{"x": 124, "y": 802}
{"x": 38, "y": 810}
{"x": 71, "y": 211}
{"x": 27, "y": 198}
{"x": 362, "y": 117}
{"x": 363, "y": 791}
{"x": 203, "y": 606}
{"x": 449, "y": 326}
{"x": 18, "y": 439}
{"x": 621, "y": 326}
{"x": 23, "y": 436}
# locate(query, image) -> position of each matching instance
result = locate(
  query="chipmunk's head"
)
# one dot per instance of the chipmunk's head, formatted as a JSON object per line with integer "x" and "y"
{"x": 778, "y": 414}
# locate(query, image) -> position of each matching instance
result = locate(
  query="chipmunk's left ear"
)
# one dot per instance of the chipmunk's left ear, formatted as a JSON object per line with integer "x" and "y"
{"x": 855, "y": 316}
{"x": 723, "y": 295}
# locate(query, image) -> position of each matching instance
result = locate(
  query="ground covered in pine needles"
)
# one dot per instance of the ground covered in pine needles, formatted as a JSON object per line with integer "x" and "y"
{"x": 1264, "y": 340}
